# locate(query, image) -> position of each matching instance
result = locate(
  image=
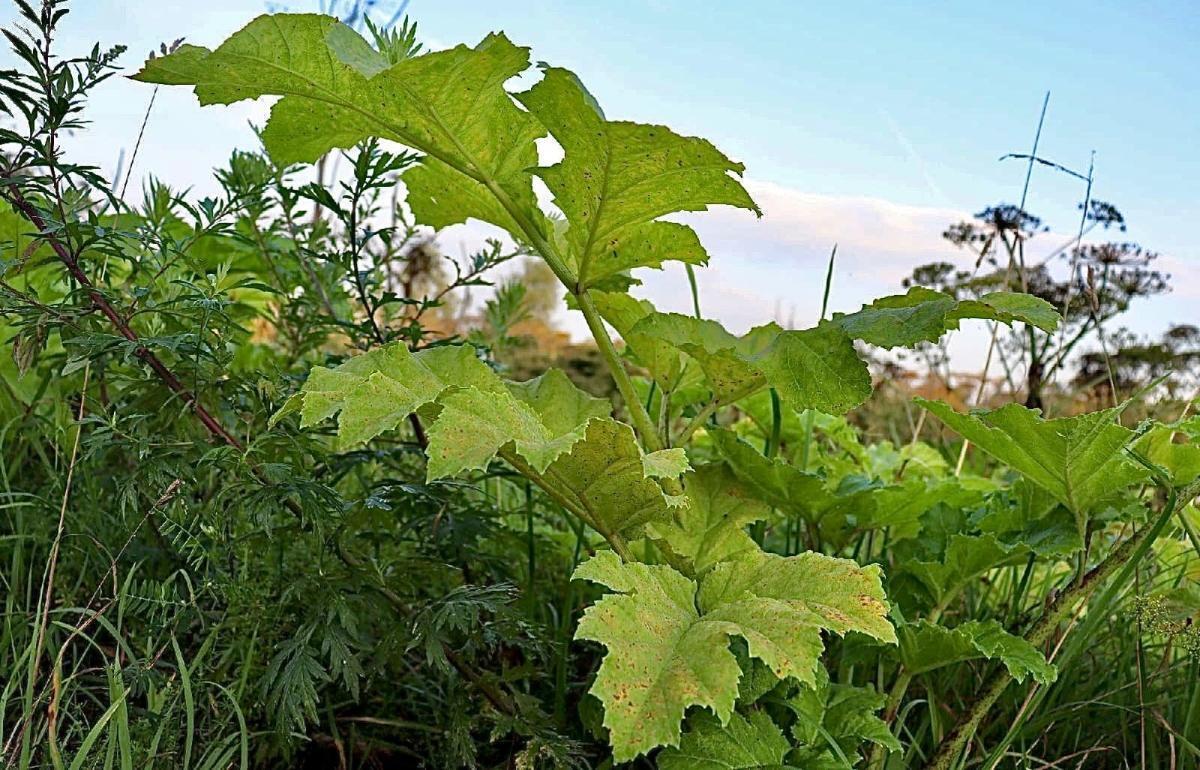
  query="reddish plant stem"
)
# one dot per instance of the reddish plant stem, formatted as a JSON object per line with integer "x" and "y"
{"x": 496, "y": 697}
{"x": 105, "y": 307}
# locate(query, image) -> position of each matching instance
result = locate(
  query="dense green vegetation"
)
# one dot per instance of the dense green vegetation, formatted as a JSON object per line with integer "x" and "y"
{"x": 272, "y": 495}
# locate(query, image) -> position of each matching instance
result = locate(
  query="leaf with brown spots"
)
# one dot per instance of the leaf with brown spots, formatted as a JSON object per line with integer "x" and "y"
{"x": 668, "y": 637}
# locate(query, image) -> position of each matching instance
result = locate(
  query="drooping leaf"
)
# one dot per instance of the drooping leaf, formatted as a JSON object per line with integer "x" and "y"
{"x": 668, "y": 638}
{"x": 751, "y": 742}
{"x": 925, "y": 646}
{"x": 617, "y": 178}
{"x": 1012, "y": 306}
{"x": 606, "y": 475}
{"x": 303, "y": 55}
{"x": 1181, "y": 461}
{"x": 547, "y": 423}
{"x": 1080, "y": 460}
{"x": 724, "y": 358}
{"x": 835, "y": 514}
{"x": 810, "y": 369}
{"x": 374, "y": 392}
{"x": 289, "y": 689}
{"x": 817, "y": 369}
{"x": 924, "y": 315}
{"x": 774, "y": 480}
{"x": 711, "y": 528}
{"x": 478, "y": 414}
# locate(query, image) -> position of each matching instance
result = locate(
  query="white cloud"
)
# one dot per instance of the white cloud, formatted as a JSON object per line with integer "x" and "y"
{"x": 774, "y": 268}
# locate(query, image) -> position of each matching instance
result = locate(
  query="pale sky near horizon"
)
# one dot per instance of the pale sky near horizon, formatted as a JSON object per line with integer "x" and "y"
{"x": 873, "y": 125}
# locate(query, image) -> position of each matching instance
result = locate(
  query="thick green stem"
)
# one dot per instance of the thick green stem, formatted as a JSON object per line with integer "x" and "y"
{"x": 1124, "y": 558}
{"x": 637, "y": 412}
{"x": 691, "y": 274}
{"x": 1190, "y": 530}
{"x": 772, "y": 447}
{"x": 608, "y": 351}
{"x": 709, "y": 409}
{"x": 547, "y": 251}
{"x": 895, "y": 696}
{"x": 642, "y": 422}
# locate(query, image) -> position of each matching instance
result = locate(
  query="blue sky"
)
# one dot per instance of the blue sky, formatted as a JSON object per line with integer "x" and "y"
{"x": 872, "y": 124}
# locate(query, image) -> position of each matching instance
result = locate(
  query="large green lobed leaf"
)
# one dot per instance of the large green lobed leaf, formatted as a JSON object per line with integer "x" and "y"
{"x": 1080, "y": 460}
{"x": 336, "y": 91}
{"x": 668, "y": 636}
{"x": 924, "y": 315}
{"x": 617, "y": 178}
{"x": 924, "y": 647}
{"x": 615, "y": 181}
{"x": 548, "y": 424}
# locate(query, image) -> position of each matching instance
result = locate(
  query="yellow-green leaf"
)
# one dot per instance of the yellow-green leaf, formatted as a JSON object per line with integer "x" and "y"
{"x": 668, "y": 637}
{"x": 605, "y": 474}
{"x": 712, "y": 527}
{"x": 617, "y": 178}
{"x": 450, "y": 105}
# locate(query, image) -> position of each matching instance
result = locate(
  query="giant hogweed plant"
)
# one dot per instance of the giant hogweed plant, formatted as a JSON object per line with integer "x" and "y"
{"x": 689, "y": 573}
{"x": 701, "y": 612}
{"x": 698, "y": 612}
{"x": 705, "y": 606}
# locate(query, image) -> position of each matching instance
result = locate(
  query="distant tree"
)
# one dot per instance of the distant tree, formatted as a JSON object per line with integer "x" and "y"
{"x": 1099, "y": 283}
{"x": 1131, "y": 363}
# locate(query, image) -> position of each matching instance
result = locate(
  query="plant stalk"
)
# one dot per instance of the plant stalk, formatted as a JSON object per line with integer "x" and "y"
{"x": 1124, "y": 558}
